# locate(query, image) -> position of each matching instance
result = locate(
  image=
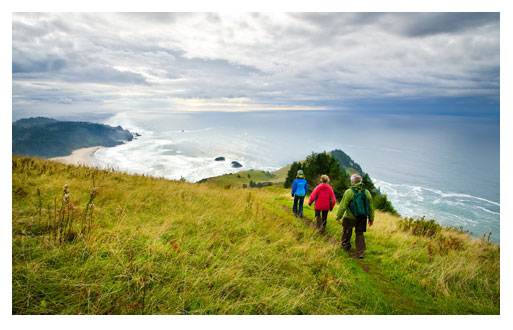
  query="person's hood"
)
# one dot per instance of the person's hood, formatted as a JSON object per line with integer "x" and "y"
{"x": 324, "y": 186}
{"x": 301, "y": 176}
{"x": 358, "y": 185}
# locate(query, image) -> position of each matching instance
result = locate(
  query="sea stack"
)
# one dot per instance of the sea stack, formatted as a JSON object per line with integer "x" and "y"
{"x": 219, "y": 159}
{"x": 236, "y": 164}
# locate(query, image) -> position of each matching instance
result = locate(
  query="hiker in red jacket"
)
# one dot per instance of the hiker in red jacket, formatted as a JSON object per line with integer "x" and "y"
{"x": 324, "y": 198}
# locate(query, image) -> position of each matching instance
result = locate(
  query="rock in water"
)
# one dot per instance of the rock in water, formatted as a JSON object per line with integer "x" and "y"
{"x": 219, "y": 159}
{"x": 236, "y": 164}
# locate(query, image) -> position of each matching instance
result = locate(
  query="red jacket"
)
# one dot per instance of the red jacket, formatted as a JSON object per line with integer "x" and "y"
{"x": 323, "y": 196}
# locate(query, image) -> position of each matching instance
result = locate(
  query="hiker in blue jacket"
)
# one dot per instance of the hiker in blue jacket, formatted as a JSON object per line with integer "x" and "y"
{"x": 299, "y": 190}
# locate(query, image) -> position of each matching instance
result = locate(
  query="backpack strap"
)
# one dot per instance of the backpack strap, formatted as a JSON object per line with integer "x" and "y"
{"x": 355, "y": 191}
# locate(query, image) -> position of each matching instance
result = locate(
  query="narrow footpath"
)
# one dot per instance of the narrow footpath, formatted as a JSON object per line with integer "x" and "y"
{"x": 403, "y": 303}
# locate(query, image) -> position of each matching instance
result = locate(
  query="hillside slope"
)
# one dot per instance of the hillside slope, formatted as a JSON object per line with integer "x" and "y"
{"x": 346, "y": 162}
{"x": 151, "y": 246}
{"x": 245, "y": 177}
{"x": 46, "y": 137}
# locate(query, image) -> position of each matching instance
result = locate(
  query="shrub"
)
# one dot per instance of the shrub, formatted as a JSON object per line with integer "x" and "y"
{"x": 448, "y": 243}
{"x": 254, "y": 184}
{"x": 420, "y": 227}
{"x": 382, "y": 203}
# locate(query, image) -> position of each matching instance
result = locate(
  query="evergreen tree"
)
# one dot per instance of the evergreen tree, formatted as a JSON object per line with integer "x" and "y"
{"x": 340, "y": 186}
{"x": 368, "y": 184}
{"x": 318, "y": 164}
{"x": 382, "y": 203}
{"x": 291, "y": 174}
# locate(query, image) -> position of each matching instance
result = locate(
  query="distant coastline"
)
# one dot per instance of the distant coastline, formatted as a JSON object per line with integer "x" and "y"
{"x": 80, "y": 156}
{"x": 47, "y": 137}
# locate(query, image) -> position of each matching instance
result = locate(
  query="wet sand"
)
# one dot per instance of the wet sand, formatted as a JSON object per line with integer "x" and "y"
{"x": 78, "y": 157}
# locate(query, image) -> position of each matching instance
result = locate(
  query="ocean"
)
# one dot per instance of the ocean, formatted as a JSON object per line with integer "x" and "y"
{"x": 443, "y": 167}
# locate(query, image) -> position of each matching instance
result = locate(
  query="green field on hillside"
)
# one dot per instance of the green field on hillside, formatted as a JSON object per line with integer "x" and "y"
{"x": 113, "y": 243}
{"x": 244, "y": 177}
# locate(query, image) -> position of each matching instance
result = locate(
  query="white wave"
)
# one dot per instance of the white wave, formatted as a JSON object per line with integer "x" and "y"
{"x": 387, "y": 185}
{"x": 172, "y": 167}
{"x": 123, "y": 119}
{"x": 450, "y": 194}
{"x": 447, "y": 208}
{"x": 173, "y": 155}
{"x": 486, "y": 210}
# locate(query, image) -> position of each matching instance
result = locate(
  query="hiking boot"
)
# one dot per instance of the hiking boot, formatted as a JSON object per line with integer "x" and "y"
{"x": 361, "y": 256}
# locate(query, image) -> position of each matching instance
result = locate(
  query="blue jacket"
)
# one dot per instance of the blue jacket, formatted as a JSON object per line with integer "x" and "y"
{"x": 300, "y": 187}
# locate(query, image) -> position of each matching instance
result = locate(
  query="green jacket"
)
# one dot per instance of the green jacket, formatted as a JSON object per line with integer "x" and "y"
{"x": 343, "y": 208}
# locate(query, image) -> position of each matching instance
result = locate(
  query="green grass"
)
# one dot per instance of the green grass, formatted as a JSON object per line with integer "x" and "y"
{"x": 244, "y": 177}
{"x": 154, "y": 246}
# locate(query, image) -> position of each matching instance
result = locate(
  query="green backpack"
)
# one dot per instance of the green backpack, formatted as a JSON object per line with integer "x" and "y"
{"x": 359, "y": 206}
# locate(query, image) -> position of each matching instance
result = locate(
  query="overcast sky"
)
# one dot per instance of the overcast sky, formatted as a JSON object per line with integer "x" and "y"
{"x": 70, "y": 63}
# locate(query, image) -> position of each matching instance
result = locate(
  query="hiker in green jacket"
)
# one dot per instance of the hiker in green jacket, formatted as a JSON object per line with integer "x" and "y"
{"x": 354, "y": 209}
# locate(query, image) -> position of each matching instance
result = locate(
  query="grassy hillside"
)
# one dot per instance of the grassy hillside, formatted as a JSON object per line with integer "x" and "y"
{"x": 152, "y": 246}
{"x": 244, "y": 177}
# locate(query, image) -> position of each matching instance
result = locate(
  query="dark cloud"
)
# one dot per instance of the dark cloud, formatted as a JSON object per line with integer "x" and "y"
{"x": 156, "y": 17}
{"x": 102, "y": 74}
{"x": 33, "y": 65}
{"x": 425, "y": 24}
{"x": 38, "y": 66}
{"x": 339, "y": 21}
{"x": 92, "y": 74}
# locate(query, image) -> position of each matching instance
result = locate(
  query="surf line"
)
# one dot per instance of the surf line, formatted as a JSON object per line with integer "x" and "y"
{"x": 436, "y": 191}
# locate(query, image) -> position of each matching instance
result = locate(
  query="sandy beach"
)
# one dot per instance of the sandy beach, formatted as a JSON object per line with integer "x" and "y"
{"x": 79, "y": 157}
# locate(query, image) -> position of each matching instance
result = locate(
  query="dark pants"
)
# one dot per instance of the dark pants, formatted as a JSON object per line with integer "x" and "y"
{"x": 360, "y": 226}
{"x": 322, "y": 218}
{"x": 297, "y": 208}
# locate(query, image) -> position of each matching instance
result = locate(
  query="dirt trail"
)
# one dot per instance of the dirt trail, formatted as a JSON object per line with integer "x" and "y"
{"x": 404, "y": 304}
